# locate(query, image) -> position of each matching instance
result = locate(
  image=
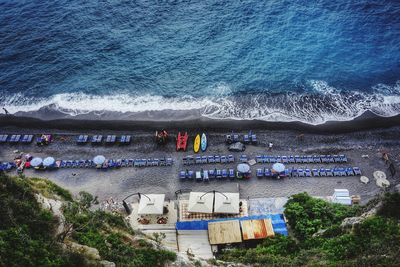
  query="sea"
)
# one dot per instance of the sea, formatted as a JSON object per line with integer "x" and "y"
{"x": 274, "y": 60}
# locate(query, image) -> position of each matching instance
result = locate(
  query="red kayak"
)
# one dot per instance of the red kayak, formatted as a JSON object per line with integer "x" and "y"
{"x": 181, "y": 141}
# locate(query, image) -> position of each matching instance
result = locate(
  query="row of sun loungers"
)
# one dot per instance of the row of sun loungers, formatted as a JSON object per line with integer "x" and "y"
{"x": 302, "y": 159}
{"x": 247, "y": 138}
{"x": 6, "y": 166}
{"x": 190, "y": 160}
{"x": 109, "y": 139}
{"x": 206, "y": 175}
{"x": 306, "y": 172}
{"x": 116, "y": 163}
{"x": 16, "y": 138}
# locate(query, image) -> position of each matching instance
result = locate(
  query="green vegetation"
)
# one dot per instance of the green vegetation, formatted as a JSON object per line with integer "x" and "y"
{"x": 373, "y": 242}
{"x": 28, "y": 233}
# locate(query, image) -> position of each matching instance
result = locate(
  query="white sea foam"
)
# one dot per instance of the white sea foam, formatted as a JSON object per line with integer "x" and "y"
{"x": 326, "y": 103}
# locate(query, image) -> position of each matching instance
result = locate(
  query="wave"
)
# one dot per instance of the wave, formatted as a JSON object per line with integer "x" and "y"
{"x": 323, "y": 103}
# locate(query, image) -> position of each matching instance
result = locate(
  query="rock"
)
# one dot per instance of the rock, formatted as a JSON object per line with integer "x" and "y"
{"x": 89, "y": 252}
{"x": 383, "y": 183}
{"x": 107, "y": 263}
{"x": 364, "y": 179}
{"x": 379, "y": 175}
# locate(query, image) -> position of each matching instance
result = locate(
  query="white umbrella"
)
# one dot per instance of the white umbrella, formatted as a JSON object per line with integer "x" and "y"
{"x": 98, "y": 160}
{"x": 35, "y": 162}
{"x": 364, "y": 179}
{"x": 200, "y": 202}
{"x": 379, "y": 175}
{"x": 152, "y": 204}
{"x": 48, "y": 161}
{"x": 382, "y": 183}
{"x": 243, "y": 168}
{"x": 278, "y": 167}
{"x": 226, "y": 203}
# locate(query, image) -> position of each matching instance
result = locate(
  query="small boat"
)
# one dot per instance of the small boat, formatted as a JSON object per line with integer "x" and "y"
{"x": 196, "y": 145}
{"x": 203, "y": 142}
{"x": 181, "y": 141}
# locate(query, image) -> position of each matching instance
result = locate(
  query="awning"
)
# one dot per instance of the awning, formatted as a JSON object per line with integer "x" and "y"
{"x": 48, "y": 161}
{"x": 98, "y": 160}
{"x": 226, "y": 203}
{"x": 35, "y": 162}
{"x": 152, "y": 204}
{"x": 200, "y": 202}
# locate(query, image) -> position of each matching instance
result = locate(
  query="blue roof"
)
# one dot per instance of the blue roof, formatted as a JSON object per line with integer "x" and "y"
{"x": 278, "y": 223}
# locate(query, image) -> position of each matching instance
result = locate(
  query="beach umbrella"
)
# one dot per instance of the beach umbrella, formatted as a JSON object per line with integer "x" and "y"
{"x": 243, "y": 168}
{"x": 382, "y": 183}
{"x": 379, "y": 175}
{"x": 364, "y": 179}
{"x": 226, "y": 203}
{"x": 278, "y": 167}
{"x": 200, "y": 202}
{"x": 48, "y": 161}
{"x": 36, "y": 162}
{"x": 151, "y": 204}
{"x": 98, "y": 160}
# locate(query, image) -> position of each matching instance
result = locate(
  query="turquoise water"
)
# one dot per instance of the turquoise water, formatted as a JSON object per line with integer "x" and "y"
{"x": 310, "y": 61}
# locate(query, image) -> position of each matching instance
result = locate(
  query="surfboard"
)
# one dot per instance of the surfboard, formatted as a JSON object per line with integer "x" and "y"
{"x": 196, "y": 145}
{"x": 203, "y": 142}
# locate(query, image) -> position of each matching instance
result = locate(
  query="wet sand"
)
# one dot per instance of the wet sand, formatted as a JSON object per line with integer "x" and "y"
{"x": 118, "y": 183}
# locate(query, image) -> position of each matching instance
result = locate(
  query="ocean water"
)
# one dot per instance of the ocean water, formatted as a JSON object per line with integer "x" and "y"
{"x": 309, "y": 61}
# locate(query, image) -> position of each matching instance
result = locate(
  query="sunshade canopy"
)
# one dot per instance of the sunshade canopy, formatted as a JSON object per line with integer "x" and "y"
{"x": 152, "y": 204}
{"x": 243, "y": 168}
{"x": 48, "y": 161}
{"x": 226, "y": 203}
{"x": 278, "y": 167}
{"x": 379, "y": 175}
{"x": 35, "y": 162}
{"x": 200, "y": 202}
{"x": 99, "y": 159}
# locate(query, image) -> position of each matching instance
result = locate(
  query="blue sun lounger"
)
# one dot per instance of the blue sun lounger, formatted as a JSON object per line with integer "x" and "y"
{"x": 324, "y": 159}
{"x": 342, "y": 172}
{"x": 278, "y": 159}
{"x": 204, "y": 159}
{"x": 231, "y": 159}
{"x": 15, "y": 138}
{"x": 190, "y": 174}
{"x": 267, "y": 173}
{"x": 336, "y": 158}
{"x": 307, "y": 172}
{"x": 3, "y": 138}
{"x": 297, "y": 159}
{"x": 291, "y": 159}
{"x": 246, "y": 139}
{"x": 336, "y": 172}
{"x": 253, "y": 139}
{"x": 82, "y": 139}
{"x": 198, "y": 160}
{"x": 182, "y": 175}
{"x": 224, "y": 173}
{"x": 301, "y": 172}
{"x": 259, "y": 159}
{"x": 231, "y": 173}
{"x": 205, "y": 176}
{"x": 218, "y": 174}
{"x": 217, "y": 159}
{"x": 316, "y": 159}
{"x": 223, "y": 159}
{"x": 357, "y": 171}
{"x": 168, "y": 161}
{"x": 272, "y": 159}
{"x": 27, "y": 138}
{"x": 260, "y": 173}
{"x": 243, "y": 158}
{"x": 343, "y": 158}
{"x": 322, "y": 172}
{"x": 97, "y": 139}
{"x": 285, "y": 159}
{"x": 211, "y": 173}
{"x": 315, "y": 172}
{"x": 329, "y": 172}
{"x": 111, "y": 139}
{"x": 210, "y": 159}
{"x": 349, "y": 171}
{"x": 125, "y": 140}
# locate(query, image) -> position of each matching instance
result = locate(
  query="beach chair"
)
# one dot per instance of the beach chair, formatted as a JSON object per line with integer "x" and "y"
{"x": 315, "y": 172}
{"x": 235, "y": 138}
{"x": 278, "y": 159}
{"x": 304, "y": 159}
{"x": 253, "y": 139}
{"x": 285, "y": 160}
{"x": 3, "y": 138}
{"x": 97, "y": 139}
{"x": 204, "y": 159}
{"x": 218, "y": 174}
{"x": 81, "y": 163}
{"x": 189, "y": 160}
{"x": 260, "y": 173}
{"x": 291, "y": 159}
{"x": 343, "y": 158}
{"x": 75, "y": 164}
{"x": 301, "y": 172}
{"x": 217, "y": 159}
{"x": 329, "y": 172}
{"x": 286, "y": 173}
{"x": 307, "y": 172}
{"x": 198, "y": 176}
{"x": 342, "y": 172}
{"x": 272, "y": 159}
{"x": 231, "y": 159}
{"x": 15, "y": 138}
{"x": 62, "y": 164}
{"x": 310, "y": 159}
{"x": 336, "y": 172}
{"x": 246, "y": 139}
{"x": 111, "y": 139}
{"x": 198, "y": 160}
{"x": 224, "y": 173}
{"x": 324, "y": 159}
{"x": 349, "y": 171}
{"x": 259, "y": 159}
{"x": 265, "y": 159}
{"x": 184, "y": 161}
{"x": 231, "y": 174}
{"x": 267, "y": 173}
{"x": 182, "y": 175}
{"x": 357, "y": 171}
{"x": 125, "y": 139}
{"x": 223, "y": 159}
{"x": 330, "y": 159}
{"x": 136, "y": 163}
{"x": 169, "y": 161}
{"x": 322, "y": 172}
{"x": 336, "y": 159}
{"x": 205, "y": 176}
{"x": 211, "y": 173}
{"x": 143, "y": 163}
{"x": 243, "y": 158}
{"x": 82, "y": 139}
{"x": 27, "y": 138}
{"x": 297, "y": 159}
{"x": 190, "y": 175}
{"x": 316, "y": 159}
{"x": 210, "y": 159}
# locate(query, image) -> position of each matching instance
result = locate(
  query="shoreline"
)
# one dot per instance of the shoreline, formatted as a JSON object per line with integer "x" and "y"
{"x": 367, "y": 121}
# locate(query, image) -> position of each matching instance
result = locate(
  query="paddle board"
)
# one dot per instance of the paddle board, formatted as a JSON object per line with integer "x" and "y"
{"x": 196, "y": 145}
{"x": 203, "y": 142}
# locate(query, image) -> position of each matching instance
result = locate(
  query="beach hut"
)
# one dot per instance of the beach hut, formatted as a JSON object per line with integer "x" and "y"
{"x": 36, "y": 162}
{"x": 99, "y": 160}
{"x": 200, "y": 202}
{"x": 257, "y": 229}
{"x": 225, "y": 232}
{"x": 49, "y": 162}
{"x": 226, "y": 203}
{"x": 151, "y": 204}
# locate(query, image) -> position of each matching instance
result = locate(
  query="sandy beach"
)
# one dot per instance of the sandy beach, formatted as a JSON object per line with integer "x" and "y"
{"x": 118, "y": 183}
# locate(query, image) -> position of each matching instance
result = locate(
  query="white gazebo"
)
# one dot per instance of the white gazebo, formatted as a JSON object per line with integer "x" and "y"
{"x": 151, "y": 204}
{"x": 226, "y": 203}
{"x": 201, "y": 202}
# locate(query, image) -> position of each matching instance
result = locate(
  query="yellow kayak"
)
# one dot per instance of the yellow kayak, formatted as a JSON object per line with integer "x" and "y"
{"x": 196, "y": 145}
